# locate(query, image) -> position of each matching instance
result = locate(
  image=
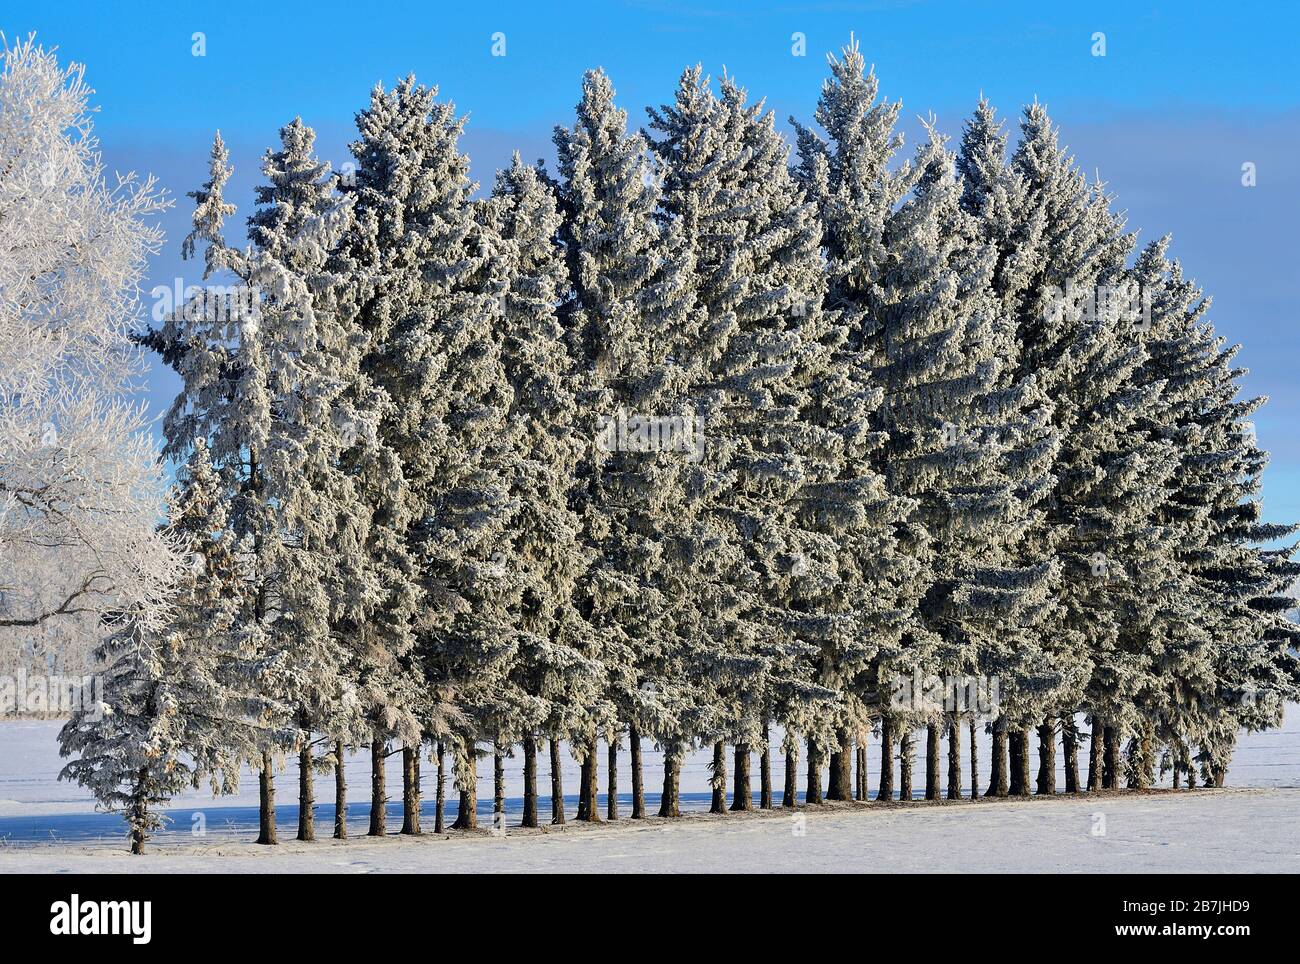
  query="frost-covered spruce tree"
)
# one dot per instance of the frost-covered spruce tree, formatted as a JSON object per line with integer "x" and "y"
{"x": 1077, "y": 336}
{"x": 178, "y": 704}
{"x": 430, "y": 273}
{"x": 997, "y": 195}
{"x": 1134, "y": 468}
{"x": 400, "y": 277}
{"x": 130, "y": 752}
{"x": 320, "y": 580}
{"x": 551, "y": 677}
{"x": 847, "y": 172}
{"x": 970, "y": 440}
{"x": 700, "y": 154}
{"x": 804, "y": 530}
{"x": 468, "y": 637}
{"x": 1179, "y": 348}
{"x": 213, "y": 341}
{"x": 972, "y": 631}
{"x": 630, "y": 299}
{"x": 1226, "y": 660}
{"x": 267, "y": 365}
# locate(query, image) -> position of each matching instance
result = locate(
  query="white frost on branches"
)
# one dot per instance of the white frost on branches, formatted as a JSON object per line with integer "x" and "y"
{"x": 81, "y": 488}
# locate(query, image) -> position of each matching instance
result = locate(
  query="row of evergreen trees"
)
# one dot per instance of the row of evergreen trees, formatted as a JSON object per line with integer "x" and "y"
{"x": 937, "y": 441}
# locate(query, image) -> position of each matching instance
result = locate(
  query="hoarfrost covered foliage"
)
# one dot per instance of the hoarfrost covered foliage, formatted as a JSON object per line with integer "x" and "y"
{"x": 81, "y": 488}
{"x": 554, "y": 677}
{"x": 685, "y": 441}
{"x": 630, "y": 295}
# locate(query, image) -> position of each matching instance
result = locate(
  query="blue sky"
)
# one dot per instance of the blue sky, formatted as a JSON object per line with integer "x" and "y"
{"x": 1184, "y": 96}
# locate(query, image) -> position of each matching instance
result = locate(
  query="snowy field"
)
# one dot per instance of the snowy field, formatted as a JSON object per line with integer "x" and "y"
{"x": 46, "y": 825}
{"x": 1206, "y": 831}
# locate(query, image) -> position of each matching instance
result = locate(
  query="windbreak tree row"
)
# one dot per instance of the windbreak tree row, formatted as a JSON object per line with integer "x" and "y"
{"x": 693, "y": 440}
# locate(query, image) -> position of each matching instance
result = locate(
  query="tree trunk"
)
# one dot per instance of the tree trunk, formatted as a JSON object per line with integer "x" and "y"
{"x": 411, "y": 790}
{"x": 638, "y": 786}
{"x": 378, "y": 796}
{"x": 669, "y": 800}
{"x": 974, "y": 761}
{"x": 1191, "y": 777}
{"x": 139, "y": 812}
{"x": 498, "y": 788}
{"x": 860, "y": 786}
{"x": 1096, "y": 741}
{"x": 340, "y": 795}
{"x": 1110, "y": 758}
{"x": 1020, "y": 762}
{"x": 719, "y": 778}
{"x": 1144, "y": 758}
{"x": 765, "y": 773}
{"x": 530, "y": 782}
{"x": 467, "y": 782}
{"x": 611, "y": 794}
{"x": 557, "y": 784}
{"x": 954, "y": 758}
{"x": 588, "y": 808}
{"x": 932, "y": 789}
{"x": 266, "y": 802}
{"x": 790, "y": 795}
{"x": 998, "y": 779}
{"x": 886, "y": 789}
{"x": 906, "y": 752}
{"x": 1178, "y": 776}
{"x": 1013, "y": 753}
{"x": 1024, "y": 762}
{"x": 812, "y": 793}
{"x": 833, "y": 789}
{"x": 1070, "y": 747}
{"x": 440, "y": 794}
{"x": 1047, "y": 757}
{"x": 742, "y": 797}
{"x": 306, "y": 795}
{"x": 841, "y": 778}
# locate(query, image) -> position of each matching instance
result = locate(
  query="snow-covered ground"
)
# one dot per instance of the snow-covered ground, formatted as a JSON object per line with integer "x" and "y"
{"x": 49, "y": 825}
{"x": 1205, "y": 831}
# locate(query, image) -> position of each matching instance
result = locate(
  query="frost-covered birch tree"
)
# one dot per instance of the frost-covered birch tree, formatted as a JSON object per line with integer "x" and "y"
{"x": 81, "y": 487}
